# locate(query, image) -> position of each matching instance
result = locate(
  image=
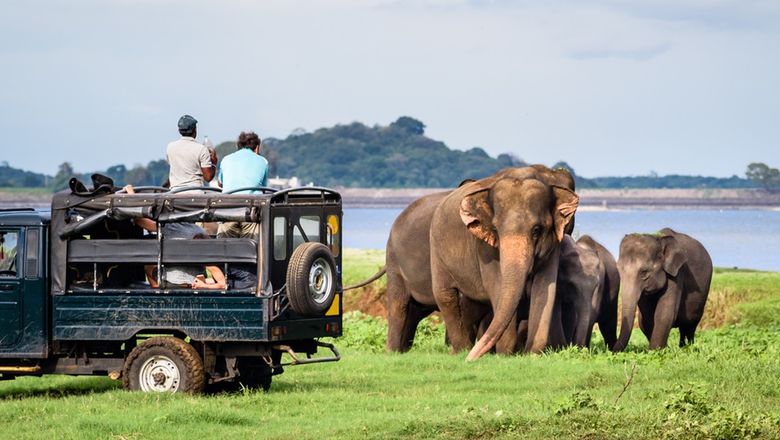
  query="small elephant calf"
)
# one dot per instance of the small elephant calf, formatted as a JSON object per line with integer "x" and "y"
{"x": 667, "y": 277}
{"x": 588, "y": 283}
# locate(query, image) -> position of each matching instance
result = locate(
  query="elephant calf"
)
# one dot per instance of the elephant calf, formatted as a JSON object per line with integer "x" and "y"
{"x": 610, "y": 285}
{"x": 588, "y": 284}
{"x": 667, "y": 276}
{"x": 580, "y": 278}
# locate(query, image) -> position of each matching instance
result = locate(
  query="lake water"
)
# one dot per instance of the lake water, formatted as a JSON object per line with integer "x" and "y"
{"x": 745, "y": 239}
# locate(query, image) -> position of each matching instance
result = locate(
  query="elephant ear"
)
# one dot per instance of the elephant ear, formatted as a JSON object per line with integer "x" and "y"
{"x": 674, "y": 255}
{"x": 477, "y": 214}
{"x": 566, "y": 203}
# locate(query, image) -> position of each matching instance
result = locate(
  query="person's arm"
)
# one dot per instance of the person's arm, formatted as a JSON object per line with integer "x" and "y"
{"x": 264, "y": 182}
{"x": 219, "y": 280}
{"x": 208, "y": 163}
{"x": 150, "y": 275}
{"x": 145, "y": 223}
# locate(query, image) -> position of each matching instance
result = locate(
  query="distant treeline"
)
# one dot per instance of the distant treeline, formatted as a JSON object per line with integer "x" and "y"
{"x": 398, "y": 155}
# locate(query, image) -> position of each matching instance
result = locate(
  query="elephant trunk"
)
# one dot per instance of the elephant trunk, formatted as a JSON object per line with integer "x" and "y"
{"x": 628, "y": 311}
{"x": 516, "y": 263}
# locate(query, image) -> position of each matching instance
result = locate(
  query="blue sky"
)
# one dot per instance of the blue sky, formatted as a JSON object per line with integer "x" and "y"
{"x": 613, "y": 87}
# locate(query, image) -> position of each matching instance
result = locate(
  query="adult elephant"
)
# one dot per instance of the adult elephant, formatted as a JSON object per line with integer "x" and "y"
{"x": 409, "y": 296}
{"x": 491, "y": 240}
{"x": 667, "y": 276}
{"x": 608, "y": 309}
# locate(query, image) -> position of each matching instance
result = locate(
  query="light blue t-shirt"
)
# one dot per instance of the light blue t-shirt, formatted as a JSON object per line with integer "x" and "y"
{"x": 242, "y": 169}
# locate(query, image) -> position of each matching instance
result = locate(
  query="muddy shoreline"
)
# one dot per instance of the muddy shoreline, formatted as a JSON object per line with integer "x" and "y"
{"x": 590, "y": 199}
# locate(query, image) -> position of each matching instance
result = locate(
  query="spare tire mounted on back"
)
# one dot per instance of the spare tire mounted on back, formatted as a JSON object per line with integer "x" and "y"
{"x": 311, "y": 279}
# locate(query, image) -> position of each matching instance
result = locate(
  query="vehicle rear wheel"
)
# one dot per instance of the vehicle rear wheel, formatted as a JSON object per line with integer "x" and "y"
{"x": 164, "y": 364}
{"x": 253, "y": 373}
{"x": 311, "y": 279}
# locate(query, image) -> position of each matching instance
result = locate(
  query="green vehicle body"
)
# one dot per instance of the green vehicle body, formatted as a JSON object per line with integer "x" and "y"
{"x": 49, "y": 324}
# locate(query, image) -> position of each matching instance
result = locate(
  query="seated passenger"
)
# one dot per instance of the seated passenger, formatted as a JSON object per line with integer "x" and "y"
{"x": 184, "y": 276}
{"x": 243, "y": 169}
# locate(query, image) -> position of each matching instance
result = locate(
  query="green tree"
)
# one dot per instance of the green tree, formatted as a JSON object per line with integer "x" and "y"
{"x": 763, "y": 175}
{"x": 117, "y": 172}
{"x": 410, "y": 125}
{"x": 137, "y": 176}
{"x": 565, "y": 166}
{"x": 62, "y": 178}
{"x": 157, "y": 172}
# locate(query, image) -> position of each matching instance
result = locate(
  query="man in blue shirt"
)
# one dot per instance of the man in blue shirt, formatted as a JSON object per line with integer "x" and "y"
{"x": 244, "y": 168}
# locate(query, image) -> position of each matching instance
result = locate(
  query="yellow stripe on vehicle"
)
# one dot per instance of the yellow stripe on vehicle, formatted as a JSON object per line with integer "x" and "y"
{"x": 334, "y": 309}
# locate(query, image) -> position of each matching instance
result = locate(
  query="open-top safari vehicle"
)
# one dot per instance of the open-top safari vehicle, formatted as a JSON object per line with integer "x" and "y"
{"x": 75, "y": 297}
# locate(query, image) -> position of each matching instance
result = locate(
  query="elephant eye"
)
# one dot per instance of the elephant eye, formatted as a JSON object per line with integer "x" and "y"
{"x": 536, "y": 232}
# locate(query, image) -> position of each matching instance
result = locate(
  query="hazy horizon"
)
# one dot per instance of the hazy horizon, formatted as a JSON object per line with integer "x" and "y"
{"x": 613, "y": 87}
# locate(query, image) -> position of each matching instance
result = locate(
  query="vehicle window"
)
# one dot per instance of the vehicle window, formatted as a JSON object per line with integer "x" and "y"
{"x": 310, "y": 225}
{"x": 8, "y": 255}
{"x": 280, "y": 238}
{"x": 31, "y": 254}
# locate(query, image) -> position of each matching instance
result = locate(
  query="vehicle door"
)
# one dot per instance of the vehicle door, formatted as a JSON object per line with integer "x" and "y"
{"x": 23, "y": 293}
{"x": 11, "y": 287}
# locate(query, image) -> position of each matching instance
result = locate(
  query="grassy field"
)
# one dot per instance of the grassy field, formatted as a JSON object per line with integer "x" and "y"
{"x": 725, "y": 386}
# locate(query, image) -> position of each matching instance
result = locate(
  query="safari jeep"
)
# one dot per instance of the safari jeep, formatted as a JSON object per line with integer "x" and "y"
{"x": 76, "y": 298}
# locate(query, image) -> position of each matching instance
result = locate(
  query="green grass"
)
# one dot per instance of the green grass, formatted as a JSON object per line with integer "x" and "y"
{"x": 743, "y": 296}
{"x": 725, "y": 386}
{"x": 360, "y": 264}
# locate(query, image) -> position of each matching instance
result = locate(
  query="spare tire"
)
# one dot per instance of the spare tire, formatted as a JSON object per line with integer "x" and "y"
{"x": 311, "y": 279}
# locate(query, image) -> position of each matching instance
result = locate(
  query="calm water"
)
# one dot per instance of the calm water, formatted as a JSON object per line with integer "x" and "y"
{"x": 747, "y": 239}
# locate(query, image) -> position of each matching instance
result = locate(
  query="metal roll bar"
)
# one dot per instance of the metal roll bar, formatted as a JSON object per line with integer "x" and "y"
{"x": 195, "y": 188}
{"x": 264, "y": 189}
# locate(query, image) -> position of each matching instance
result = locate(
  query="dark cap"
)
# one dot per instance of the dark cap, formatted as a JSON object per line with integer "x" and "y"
{"x": 187, "y": 123}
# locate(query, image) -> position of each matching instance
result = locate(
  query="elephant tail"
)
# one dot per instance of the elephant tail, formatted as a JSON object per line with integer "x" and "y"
{"x": 373, "y": 278}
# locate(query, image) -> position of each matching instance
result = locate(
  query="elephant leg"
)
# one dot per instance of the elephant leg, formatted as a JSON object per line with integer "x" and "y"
{"x": 473, "y": 313}
{"x": 665, "y": 315}
{"x": 686, "y": 334}
{"x": 544, "y": 317}
{"x": 397, "y": 301}
{"x": 646, "y": 313}
{"x": 584, "y": 322}
{"x": 507, "y": 343}
{"x": 568, "y": 321}
{"x": 608, "y": 323}
{"x": 449, "y": 305}
{"x": 416, "y": 313}
{"x": 484, "y": 323}
{"x": 522, "y": 333}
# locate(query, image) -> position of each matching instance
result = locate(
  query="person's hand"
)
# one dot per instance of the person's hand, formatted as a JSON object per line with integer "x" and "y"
{"x": 199, "y": 281}
{"x": 129, "y": 189}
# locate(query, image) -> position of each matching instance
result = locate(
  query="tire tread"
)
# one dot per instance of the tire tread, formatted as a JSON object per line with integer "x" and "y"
{"x": 186, "y": 352}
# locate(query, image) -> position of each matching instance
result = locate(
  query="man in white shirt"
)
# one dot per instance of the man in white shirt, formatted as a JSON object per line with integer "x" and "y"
{"x": 192, "y": 164}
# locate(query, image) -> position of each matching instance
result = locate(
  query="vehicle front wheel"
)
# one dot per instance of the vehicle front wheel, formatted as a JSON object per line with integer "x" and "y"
{"x": 164, "y": 364}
